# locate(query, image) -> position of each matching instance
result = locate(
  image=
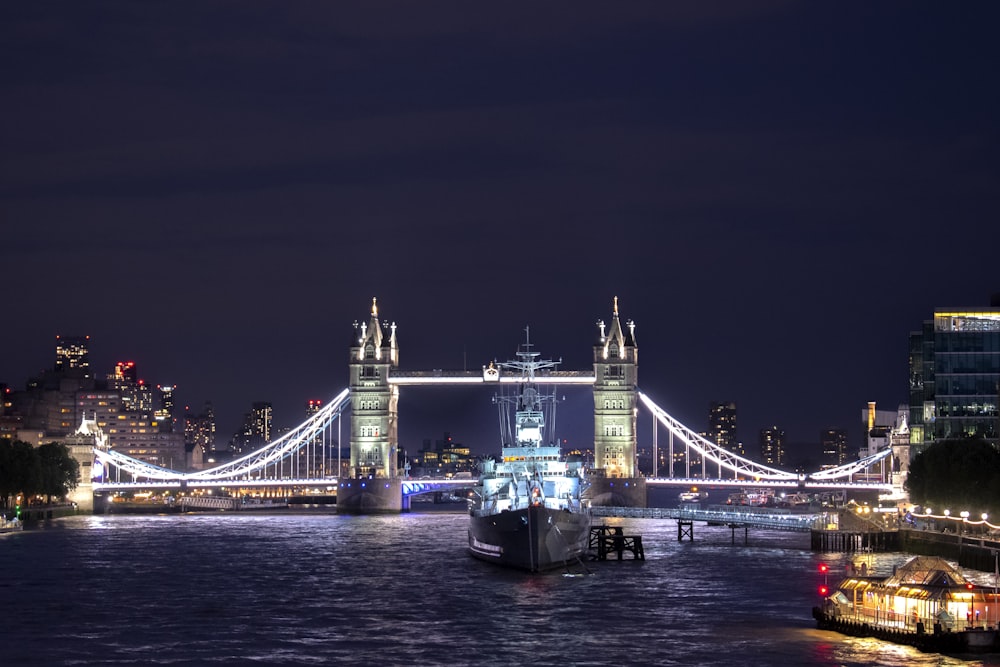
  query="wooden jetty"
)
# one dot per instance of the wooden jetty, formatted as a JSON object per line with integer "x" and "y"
{"x": 606, "y": 540}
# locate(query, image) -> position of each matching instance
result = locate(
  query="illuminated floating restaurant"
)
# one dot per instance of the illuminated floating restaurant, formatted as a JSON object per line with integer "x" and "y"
{"x": 926, "y": 603}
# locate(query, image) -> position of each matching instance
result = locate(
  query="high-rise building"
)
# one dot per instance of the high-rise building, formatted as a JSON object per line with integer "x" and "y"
{"x": 199, "y": 429}
{"x": 772, "y": 446}
{"x": 955, "y": 376}
{"x": 722, "y": 426}
{"x": 165, "y": 412}
{"x": 260, "y": 420}
{"x": 72, "y": 356}
{"x": 125, "y": 374}
{"x": 833, "y": 447}
{"x": 136, "y": 394}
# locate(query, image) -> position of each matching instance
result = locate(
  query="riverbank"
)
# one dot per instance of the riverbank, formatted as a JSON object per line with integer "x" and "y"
{"x": 975, "y": 552}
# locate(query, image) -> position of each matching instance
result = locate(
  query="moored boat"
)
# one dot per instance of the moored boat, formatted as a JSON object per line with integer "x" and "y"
{"x": 692, "y": 496}
{"x": 526, "y": 511}
{"x": 925, "y": 603}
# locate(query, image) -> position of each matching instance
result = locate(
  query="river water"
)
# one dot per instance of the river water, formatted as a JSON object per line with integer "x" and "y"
{"x": 301, "y": 589}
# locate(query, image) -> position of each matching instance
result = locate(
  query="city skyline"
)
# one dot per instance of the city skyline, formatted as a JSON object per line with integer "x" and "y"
{"x": 778, "y": 194}
{"x": 578, "y": 399}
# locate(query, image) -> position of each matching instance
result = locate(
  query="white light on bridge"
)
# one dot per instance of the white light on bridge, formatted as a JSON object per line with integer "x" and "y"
{"x": 464, "y": 380}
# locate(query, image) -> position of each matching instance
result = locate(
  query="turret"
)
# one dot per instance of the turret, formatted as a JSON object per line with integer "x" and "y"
{"x": 615, "y": 398}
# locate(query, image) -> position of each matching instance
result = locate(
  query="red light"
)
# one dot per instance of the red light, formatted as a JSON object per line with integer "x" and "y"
{"x": 823, "y": 590}
{"x": 969, "y": 586}
{"x": 823, "y": 568}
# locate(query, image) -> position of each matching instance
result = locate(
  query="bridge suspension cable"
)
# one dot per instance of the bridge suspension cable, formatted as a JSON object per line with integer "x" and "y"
{"x": 303, "y": 438}
{"x": 739, "y": 465}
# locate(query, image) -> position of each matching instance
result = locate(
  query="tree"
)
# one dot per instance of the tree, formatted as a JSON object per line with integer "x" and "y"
{"x": 49, "y": 470}
{"x": 59, "y": 470}
{"x": 957, "y": 474}
{"x": 20, "y": 469}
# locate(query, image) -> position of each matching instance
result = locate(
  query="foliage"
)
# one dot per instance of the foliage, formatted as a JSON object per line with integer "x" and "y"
{"x": 958, "y": 475}
{"x": 59, "y": 470}
{"x": 50, "y": 470}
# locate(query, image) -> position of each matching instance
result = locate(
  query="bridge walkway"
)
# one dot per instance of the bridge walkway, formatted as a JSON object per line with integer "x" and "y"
{"x": 774, "y": 519}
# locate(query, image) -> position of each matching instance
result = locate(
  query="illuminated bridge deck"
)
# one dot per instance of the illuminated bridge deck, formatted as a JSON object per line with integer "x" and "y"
{"x": 774, "y": 519}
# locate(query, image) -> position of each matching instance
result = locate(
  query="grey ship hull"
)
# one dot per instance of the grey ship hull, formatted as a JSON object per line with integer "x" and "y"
{"x": 534, "y": 538}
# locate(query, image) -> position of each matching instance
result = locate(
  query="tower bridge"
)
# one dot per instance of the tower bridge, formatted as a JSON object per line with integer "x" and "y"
{"x": 308, "y": 456}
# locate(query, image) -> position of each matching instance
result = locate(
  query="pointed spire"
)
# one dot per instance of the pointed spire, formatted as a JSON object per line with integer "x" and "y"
{"x": 615, "y": 336}
{"x": 372, "y": 332}
{"x": 393, "y": 348}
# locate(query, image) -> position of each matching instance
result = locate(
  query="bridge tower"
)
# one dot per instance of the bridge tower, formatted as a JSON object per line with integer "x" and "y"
{"x": 615, "y": 479}
{"x": 373, "y": 485}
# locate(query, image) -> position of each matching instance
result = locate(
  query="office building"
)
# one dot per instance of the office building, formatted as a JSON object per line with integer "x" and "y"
{"x": 833, "y": 447}
{"x": 955, "y": 376}
{"x": 772, "y": 446}
{"x": 722, "y": 426}
{"x": 72, "y": 356}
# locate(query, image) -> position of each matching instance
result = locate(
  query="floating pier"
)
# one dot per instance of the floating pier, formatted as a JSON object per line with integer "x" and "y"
{"x": 607, "y": 540}
{"x": 852, "y": 540}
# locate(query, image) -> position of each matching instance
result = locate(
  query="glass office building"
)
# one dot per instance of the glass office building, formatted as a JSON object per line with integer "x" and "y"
{"x": 955, "y": 376}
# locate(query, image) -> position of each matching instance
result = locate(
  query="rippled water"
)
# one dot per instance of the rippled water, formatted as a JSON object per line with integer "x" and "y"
{"x": 400, "y": 590}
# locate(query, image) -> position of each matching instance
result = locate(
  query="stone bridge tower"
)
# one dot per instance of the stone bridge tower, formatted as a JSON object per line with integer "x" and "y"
{"x": 616, "y": 480}
{"x": 373, "y": 484}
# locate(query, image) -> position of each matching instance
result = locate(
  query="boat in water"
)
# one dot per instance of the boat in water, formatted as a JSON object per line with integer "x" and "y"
{"x": 923, "y": 604}
{"x": 527, "y": 511}
{"x": 692, "y": 496}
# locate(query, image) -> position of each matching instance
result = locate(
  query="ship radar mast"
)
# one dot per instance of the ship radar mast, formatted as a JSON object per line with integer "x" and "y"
{"x": 532, "y": 409}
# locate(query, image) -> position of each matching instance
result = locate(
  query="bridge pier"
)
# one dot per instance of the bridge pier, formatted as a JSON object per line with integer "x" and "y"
{"x": 685, "y": 527}
{"x": 746, "y": 532}
{"x": 370, "y": 495}
{"x": 616, "y": 491}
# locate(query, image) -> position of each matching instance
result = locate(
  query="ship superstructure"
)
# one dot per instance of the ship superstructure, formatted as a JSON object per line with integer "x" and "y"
{"x": 527, "y": 511}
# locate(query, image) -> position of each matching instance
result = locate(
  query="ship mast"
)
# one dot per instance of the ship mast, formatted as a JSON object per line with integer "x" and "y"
{"x": 530, "y": 406}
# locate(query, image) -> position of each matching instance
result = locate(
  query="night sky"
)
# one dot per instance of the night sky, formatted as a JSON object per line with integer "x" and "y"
{"x": 778, "y": 193}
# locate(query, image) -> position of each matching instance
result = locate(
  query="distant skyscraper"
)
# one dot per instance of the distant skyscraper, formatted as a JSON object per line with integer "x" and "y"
{"x": 722, "y": 426}
{"x": 955, "y": 376}
{"x": 261, "y": 421}
{"x": 72, "y": 356}
{"x": 125, "y": 373}
{"x": 313, "y": 406}
{"x": 833, "y": 445}
{"x": 772, "y": 446}
{"x": 200, "y": 429}
{"x": 136, "y": 395}
{"x": 165, "y": 412}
